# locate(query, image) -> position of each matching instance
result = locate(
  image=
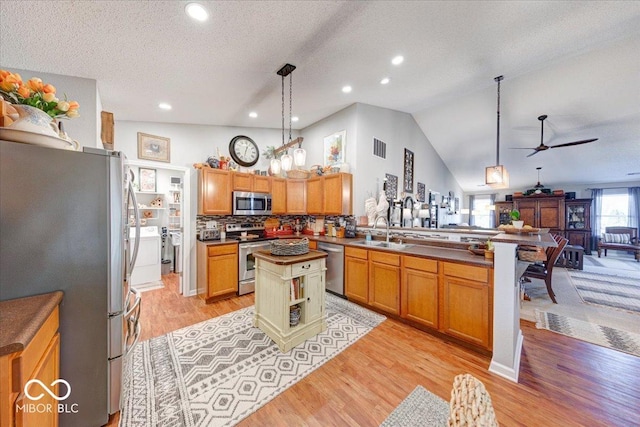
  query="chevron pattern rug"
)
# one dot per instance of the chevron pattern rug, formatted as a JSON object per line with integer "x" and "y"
{"x": 217, "y": 372}
{"x": 605, "y": 336}
{"x": 608, "y": 290}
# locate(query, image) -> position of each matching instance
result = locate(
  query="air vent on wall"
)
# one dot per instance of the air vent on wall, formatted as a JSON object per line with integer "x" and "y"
{"x": 379, "y": 148}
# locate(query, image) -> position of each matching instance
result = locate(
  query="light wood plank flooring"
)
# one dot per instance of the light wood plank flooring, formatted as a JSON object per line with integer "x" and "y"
{"x": 563, "y": 382}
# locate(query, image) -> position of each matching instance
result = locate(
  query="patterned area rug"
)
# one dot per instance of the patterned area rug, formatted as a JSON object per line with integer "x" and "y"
{"x": 217, "y": 372}
{"x": 608, "y": 290}
{"x": 605, "y": 336}
{"x": 421, "y": 408}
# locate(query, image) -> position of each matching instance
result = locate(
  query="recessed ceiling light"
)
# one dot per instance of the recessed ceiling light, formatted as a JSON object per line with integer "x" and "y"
{"x": 253, "y": 114}
{"x": 384, "y": 81}
{"x": 164, "y": 106}
{"x": 346, "y": 89}
{"x": 397, "y": 60}
{"x": 294, "y": 119}
{"x": 197, "y": 11}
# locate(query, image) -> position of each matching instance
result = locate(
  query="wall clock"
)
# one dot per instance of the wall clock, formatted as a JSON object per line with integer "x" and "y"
{"x": 244, "y": 150}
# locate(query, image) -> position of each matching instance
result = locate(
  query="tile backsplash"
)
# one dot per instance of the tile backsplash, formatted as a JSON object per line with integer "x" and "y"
{"x": 284, "y": 219}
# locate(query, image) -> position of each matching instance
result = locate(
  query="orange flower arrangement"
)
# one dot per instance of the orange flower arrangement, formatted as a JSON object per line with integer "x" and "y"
{"x": 36, "y": 94}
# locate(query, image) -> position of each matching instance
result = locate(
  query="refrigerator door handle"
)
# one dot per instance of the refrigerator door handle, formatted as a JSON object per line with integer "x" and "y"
{"x": 136, "y": 211}
{"x": 132, "y": 317}
{"x": 130, "y": 348}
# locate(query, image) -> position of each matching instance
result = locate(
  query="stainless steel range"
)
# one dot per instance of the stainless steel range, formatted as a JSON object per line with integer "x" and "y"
{"x": 252, "y": 238}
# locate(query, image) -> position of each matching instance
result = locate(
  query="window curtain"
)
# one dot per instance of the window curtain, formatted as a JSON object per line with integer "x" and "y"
{"x": 634, "y": 207}
{"x": 472, "y": 220}
{"x": 492, "y": 218}
{"x": 596, "y": 212}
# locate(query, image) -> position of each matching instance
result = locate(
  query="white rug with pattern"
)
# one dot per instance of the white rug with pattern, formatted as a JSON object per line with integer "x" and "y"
{"x": 605, "y": 336}
{"x": 217, "y": 372}
{"x": 608, "y": 290}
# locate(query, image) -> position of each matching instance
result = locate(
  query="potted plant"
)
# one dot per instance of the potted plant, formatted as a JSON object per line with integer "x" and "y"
{"x": 488, "y": 250}
{"x": 515, "y": 218}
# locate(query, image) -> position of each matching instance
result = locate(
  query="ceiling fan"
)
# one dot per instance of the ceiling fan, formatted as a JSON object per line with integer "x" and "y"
{"x": 543, "y": 147}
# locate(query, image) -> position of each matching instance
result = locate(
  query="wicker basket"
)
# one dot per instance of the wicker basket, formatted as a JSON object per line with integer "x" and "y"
{"x": 532, "y": 255}
{"x": 288, "y": 247}
{"x": 298, "y": 174}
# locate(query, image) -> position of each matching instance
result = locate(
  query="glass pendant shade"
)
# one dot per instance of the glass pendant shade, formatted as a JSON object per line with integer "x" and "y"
{"x": 299, "y": 156}
{"x": 496, "y": 176}
{"x": 287, "y": 162}
{"x": 275, "y": 166}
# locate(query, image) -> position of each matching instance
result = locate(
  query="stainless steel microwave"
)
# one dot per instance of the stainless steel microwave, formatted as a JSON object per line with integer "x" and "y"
{"x": 245, "y": 203}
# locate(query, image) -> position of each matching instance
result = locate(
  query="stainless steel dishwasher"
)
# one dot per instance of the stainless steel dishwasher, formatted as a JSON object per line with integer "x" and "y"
{"x": 335, "y": 267}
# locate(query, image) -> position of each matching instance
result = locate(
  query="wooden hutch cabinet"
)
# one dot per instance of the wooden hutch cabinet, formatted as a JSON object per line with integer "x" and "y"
{"x": 578, "y": 223}
{"x": 502, "y": 212}
{"x": 542, "y": 211}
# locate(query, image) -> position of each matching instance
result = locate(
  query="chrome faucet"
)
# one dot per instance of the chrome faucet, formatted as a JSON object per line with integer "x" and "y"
{"x": 386, "y": 221}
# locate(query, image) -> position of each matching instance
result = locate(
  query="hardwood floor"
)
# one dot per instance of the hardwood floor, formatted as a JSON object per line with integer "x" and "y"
{"x": 563, "y": 382}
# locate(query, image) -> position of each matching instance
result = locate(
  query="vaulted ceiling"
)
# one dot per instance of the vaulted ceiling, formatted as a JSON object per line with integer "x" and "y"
{"x": 575, "y": 61}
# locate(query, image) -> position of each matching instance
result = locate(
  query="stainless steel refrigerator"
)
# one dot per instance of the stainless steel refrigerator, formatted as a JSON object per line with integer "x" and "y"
{"x": 63, "y": 226}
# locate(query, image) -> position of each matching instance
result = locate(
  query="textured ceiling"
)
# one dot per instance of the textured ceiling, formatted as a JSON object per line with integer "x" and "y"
{"x": 576, "y": 61}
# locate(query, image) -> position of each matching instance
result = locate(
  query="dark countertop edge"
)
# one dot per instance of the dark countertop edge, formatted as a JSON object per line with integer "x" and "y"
{"x": 21, "y": 318}
{"x": 544, "y": 240}
{"x": 289, "y": 259}
{"x": 218, "y": 242}
{"x": 419, "y": 250}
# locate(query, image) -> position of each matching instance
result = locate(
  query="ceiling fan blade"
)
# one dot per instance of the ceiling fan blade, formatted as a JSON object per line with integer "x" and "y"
{"x": 535, "y": 152}
{"x": 569, "y": 144}
{"x": 522, "y": 148}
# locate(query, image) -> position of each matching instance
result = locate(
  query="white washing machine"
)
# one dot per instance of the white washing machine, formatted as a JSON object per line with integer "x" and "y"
{"x": 148, "y": 265}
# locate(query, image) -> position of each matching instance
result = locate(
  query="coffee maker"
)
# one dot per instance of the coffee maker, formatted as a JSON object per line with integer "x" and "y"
{"x": 350, "y": 228}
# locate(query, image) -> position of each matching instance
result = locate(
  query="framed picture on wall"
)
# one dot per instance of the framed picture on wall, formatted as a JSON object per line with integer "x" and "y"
{"x": 151, "y": 147}
{"x": 334, "y": 148}
{"x": 147, "y": 178}
{"x": 422, "y": 193}
{"x": 408, "y": 171}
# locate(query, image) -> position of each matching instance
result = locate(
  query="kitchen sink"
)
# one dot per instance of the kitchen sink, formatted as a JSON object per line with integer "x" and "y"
{"x": 381, "y": 244}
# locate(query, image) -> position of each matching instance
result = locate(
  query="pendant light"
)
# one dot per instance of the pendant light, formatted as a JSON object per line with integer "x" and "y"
{"x": 299, "y": 155}
{"x": 497, "y": 176}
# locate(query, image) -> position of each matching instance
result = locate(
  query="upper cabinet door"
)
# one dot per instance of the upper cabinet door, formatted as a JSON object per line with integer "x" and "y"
{"x": 214, "y": 192}
{"x": 261, "y": 184}
{"x": 315, "y": 196}
{"x": 338, "y": 198}
{"x": 296, "y": 196}
{"x": 278, "y": 196}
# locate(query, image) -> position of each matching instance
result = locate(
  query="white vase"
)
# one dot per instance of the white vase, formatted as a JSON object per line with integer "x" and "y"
{"x": 32, "y": 119}
{"x": 518, "y": 224}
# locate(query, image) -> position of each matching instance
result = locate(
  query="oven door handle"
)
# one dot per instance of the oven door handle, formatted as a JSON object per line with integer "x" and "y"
{"x": 255, "y": 245}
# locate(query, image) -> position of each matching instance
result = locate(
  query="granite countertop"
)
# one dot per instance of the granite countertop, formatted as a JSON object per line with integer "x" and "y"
{"x": 420, "y": 250}
{"x": 21, "y": 318}
{"x": 543, "y": 240}
{"x": 289, "y": 259}
{"x": 218, "y": 242}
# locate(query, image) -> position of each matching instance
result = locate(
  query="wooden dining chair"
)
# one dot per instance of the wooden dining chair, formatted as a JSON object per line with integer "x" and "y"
{"x": 543, "y": 271}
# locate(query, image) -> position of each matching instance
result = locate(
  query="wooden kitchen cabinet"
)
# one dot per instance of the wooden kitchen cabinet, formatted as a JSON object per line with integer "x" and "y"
{"x": 384, "y": 281}
{"x": 578, "y": 223}
{"x": 419, "y": 291}
{"x": 251, "y": 183}
{"x": 214, "y": 192}
{"x": 330, "y": 194}
{"x": 542, "y": 211}
{"x": 38, "y": 360}
{"x": 296, "y": 197}
{"x": 502, "y": 213}
{"x": 356, "y": 274}
{"x": 466, "y": 309}
{"x": 217, "y": 270}
{"x": 338, "y": 194}
{"x": 278, "y": 196}
{"x": 315, "y": 195}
